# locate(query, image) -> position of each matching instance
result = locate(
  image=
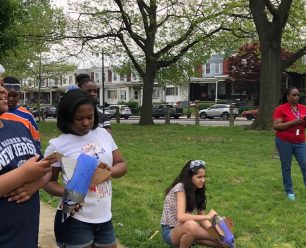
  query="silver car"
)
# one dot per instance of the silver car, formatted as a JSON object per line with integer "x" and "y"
{"x": 124, "y": 111}
{"x": 218, "y": 110}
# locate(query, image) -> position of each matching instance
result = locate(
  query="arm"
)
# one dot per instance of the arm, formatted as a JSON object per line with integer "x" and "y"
{"x": 30, "y": 171}
{"x": 119, "y": 167}
{"x": 182, "y": 216}
{"x": 26, "y": 191}
{"x": 278, "y": 123}
{"x": 205, "y": 223}
{"x": 53, "y": 187}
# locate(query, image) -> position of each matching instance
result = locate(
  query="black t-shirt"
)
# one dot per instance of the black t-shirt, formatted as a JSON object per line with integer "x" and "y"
{"x": 19, "y": 222}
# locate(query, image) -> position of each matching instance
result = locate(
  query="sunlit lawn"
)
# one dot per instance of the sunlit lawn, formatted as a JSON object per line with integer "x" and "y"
{"x": 244, "y": 182}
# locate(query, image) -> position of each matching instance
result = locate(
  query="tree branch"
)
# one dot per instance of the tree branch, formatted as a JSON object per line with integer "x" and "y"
{"x": 128, "y": 26}
{"x": 271, "y": 8}
{"x": 131, "y": 56}
{"x": 292, "y": 59}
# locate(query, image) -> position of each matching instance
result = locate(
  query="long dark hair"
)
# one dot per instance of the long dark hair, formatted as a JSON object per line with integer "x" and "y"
{"x": 195, "y": 198}
{"x": 67, "y": 106}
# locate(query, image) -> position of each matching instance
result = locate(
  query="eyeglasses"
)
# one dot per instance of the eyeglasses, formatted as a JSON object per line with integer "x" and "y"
{"x": 12, "y": 87}
{"x": 195, "y": 164}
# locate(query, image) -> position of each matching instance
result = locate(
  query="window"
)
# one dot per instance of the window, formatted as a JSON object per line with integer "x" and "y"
{"x": 97, "y": 79}
{"x": 70, "y": 79}
{"x": 172, "y": 91}
{"x": 121, "y": 77}
{"x": 136, "y": 94}
{"x": 155, "y": 93}
{"x": 123, "y": 94}
{"x": 218, "y": 68}
{"x": 112, "y": 94}
{"x": 115, "y": 76}
{"x": 207, "y": 69}
{"x": 134, "y": 76}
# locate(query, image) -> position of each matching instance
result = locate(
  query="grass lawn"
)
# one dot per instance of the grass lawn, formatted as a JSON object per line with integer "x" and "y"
{"x": 244, "y": 182}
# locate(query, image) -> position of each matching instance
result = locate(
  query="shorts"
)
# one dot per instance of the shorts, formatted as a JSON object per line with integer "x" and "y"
{"x": 166, "y": 232}
{"x": 73, "y": 233}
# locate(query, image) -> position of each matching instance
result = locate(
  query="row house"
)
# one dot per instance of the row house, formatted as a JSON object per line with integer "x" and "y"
{"x": 116, "y": 88}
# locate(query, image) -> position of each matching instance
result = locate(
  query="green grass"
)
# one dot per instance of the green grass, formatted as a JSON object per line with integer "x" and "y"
{"x": 244, "y": 182}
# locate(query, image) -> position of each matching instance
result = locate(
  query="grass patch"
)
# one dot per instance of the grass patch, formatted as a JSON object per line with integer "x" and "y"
{"x": 243, "y": 182}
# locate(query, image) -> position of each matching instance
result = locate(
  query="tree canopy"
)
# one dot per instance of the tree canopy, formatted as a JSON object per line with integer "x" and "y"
{"x": 152, "y": 35}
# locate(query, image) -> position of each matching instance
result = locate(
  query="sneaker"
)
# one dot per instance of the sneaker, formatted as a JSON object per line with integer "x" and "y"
{"x": 291, "y": 197}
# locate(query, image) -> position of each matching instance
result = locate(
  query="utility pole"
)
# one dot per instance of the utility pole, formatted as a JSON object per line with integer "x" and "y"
{"x": 103, "y": 80}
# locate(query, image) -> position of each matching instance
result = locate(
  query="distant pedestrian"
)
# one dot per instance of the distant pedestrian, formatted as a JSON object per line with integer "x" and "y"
{"x": 289, "y": 123}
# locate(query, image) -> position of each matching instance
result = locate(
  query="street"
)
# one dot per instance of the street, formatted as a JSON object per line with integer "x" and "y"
{"x": 239, "y": 121}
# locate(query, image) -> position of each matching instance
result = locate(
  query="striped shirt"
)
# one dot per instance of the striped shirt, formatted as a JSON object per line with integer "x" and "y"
{"x": 22, "y": 115}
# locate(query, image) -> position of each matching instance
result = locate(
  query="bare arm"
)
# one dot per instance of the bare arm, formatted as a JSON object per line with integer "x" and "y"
{"x": 30, "y": 171}
{"x": 26, "y": 191}
{"x": 182, "y": 216}
{"x": 278, "y": 124}
{"x": 53, "y": 187}
{"x": 119, "y": 167}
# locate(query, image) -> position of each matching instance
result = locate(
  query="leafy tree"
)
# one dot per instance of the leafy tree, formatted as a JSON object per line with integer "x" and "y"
{"x": 275, "y": 21}
{"x": 153, "y": 34}
{"x": 8, "y": 15}
{"x": 245, "y": 65}
{"x": 37, "y": 22}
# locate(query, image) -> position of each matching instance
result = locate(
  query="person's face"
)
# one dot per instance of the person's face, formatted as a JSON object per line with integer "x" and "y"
{"x": 198, "y": 179}
{"x": 83, "y": 119}
{"x": 91, "y": 88}
{"x": 13, "y": 99}
{"x": 3, "y": 99}
{"x": 293, "y": 96}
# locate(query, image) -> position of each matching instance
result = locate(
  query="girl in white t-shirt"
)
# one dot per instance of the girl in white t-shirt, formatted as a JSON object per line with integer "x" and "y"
{"x": 181, "y": 228}
{"x": 91, "y": 226}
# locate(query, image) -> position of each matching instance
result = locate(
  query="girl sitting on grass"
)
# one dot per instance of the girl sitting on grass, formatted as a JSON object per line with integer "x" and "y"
{"x": 181, "y": 228}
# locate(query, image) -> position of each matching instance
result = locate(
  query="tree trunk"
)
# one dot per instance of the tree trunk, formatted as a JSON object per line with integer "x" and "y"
{"x": 146, "y": 108}
{"x": 270, "y": 84}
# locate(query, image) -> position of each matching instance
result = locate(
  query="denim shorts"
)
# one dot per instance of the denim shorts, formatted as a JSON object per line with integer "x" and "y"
{"x": 73, "y": 233}
{"x": 166, "y": 232}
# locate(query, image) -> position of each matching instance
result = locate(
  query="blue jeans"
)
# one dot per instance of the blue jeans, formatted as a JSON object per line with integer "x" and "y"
{"x": 166, "y": 233}
{"x": 77, "y": 234}
{"x": 286, "y": 150}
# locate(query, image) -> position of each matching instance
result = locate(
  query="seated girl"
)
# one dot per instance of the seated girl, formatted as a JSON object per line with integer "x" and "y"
{"x": 181, "y": 228}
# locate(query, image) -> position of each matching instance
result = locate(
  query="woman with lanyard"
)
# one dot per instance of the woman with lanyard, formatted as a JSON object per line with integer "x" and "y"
{"x": 289, "y": 123}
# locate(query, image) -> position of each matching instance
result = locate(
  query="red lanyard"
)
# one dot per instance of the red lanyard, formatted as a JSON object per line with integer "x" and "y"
{"x": 296, "y": 113}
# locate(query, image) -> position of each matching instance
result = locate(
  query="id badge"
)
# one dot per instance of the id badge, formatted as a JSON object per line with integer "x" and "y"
{"x": 297, "y": 132}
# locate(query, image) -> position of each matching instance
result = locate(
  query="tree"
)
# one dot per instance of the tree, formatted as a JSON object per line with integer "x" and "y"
{"x": 153, "y": 34}
{"x": 245, "y": 65}
{"x": 8, "y": 16}
{"x": 37, "y": 21}
{"x": 271, "y": 18}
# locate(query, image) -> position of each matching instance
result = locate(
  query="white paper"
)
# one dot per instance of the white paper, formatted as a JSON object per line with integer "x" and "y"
{"x": 69, "y": 165}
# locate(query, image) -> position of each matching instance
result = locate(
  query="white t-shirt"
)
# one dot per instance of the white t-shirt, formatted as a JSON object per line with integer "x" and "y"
{"x": 97, "y": 205}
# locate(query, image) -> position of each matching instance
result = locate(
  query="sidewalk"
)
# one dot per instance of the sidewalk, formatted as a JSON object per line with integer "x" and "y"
{"x": 46, "y": 234}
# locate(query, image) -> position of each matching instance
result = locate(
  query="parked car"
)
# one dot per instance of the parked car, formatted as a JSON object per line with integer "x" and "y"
{"x": 160, "y": 111}
{"x": 218, "y": 110}
{"x": 250, "y": 114}
{"x": 124, "y": 111}
{"x": 106, "y": 112}
{"x": 48, "y": 111}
